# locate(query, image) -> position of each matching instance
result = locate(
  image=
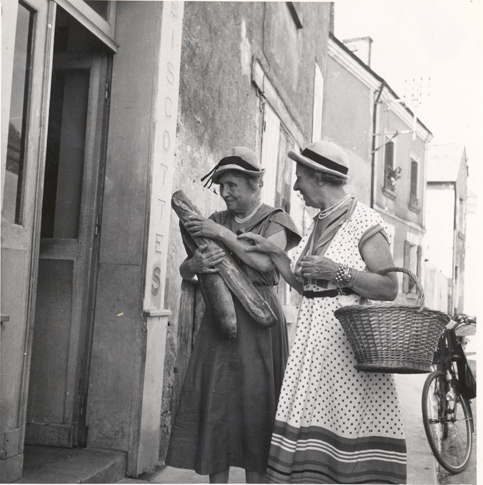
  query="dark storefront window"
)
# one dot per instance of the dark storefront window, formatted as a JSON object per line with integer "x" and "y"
{"x": 17, "y": 132}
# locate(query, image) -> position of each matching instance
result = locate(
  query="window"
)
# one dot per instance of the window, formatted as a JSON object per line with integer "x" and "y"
{"x": 17, "y": 130}
{"x": 318, "y": 104}
{"x": 64, "y": 161}
{"x": 269, "y": 158}
{"x": 461, "y": 211}
{"x": 391, "y": 174}
{"x": 389, "y": 155}
{"x": 412, "y": 262}
{"x": 413, "y": 197}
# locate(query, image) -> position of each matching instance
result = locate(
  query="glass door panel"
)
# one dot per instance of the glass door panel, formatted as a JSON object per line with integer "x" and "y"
{"x": 27, "y": 38}
{"x": 64, "y": 163}
{"x": 17, "y": 129}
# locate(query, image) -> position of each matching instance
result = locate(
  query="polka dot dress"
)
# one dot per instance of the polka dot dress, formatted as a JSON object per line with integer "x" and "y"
{"x": 335, "y": 424}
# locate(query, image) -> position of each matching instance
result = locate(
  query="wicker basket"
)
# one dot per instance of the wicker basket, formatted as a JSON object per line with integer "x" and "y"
{"x": 396, "y": 339}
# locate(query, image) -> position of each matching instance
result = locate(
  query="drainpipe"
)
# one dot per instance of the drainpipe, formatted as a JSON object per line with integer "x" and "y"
{"x": 374, "y": 127}
{"x": 454, "y": 303}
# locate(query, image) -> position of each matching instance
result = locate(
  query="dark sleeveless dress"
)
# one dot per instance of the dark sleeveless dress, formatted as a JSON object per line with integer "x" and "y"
{"x": 229, "y": 398}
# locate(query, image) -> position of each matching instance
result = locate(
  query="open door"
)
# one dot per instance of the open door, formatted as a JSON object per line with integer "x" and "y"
{"x": 69, "y": 237}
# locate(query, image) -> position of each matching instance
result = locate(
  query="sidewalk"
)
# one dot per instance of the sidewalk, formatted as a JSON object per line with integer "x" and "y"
{"x": 421, "y": 463}
{"x": 57, "y": 465}
{"x": 422, "y": 469}
{"x": 45, "y": 464}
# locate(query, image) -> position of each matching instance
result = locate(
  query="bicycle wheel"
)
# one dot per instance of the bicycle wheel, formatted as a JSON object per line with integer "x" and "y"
{"x": 447, "y": 422}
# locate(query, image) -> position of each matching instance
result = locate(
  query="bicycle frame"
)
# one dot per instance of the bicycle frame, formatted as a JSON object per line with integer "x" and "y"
{"x": 450, "y": 351}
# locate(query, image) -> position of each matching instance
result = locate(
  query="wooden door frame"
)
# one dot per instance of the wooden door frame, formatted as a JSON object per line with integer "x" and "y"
{"x": 92, "y": 190}
{"x": 84, "y": 248}
{"x": 85, "y": 360}
{"x": 37, "y": 212}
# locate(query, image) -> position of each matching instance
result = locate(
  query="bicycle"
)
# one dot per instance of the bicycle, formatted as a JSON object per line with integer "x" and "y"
{"x": 447, "y": 415}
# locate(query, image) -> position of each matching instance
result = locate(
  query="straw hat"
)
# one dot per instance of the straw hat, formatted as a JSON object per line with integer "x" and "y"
{"x": 324, "y": 156}
{"x": 236, "y": 158}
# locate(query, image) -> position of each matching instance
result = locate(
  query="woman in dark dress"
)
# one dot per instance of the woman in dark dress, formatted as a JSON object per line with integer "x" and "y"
{"x": 230, "y": 393}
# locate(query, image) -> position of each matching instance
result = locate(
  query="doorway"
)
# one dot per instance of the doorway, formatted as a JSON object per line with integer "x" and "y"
{"x": 70, "y": 229}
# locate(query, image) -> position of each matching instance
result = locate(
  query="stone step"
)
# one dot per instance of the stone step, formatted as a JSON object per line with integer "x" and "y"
{"x": 44, "y": 464}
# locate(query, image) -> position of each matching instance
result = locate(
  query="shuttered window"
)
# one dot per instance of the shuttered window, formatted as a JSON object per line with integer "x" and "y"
{"x": 389, "y": 165}
{"x": 412, "y": 262}
{"x": 407, "y": 264}
{"x": 389, "y": 155}
{"x": 413, "y": 196}
{"x": 414, "y": 178}
{"x": 318, "y": 104}
{"x": 269, "y": 159}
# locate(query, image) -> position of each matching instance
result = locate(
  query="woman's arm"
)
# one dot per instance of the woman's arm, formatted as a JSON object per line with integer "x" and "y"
{"x": 201, "y": 227}
{"x": 376, "y": 254}
{"x": 257, "y": 243}
{"x": 203, "y": 261}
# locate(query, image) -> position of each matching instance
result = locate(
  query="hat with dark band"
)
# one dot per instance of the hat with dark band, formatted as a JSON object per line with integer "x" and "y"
{"x": 237, "y": 158}
{"x": 324, "y": 156}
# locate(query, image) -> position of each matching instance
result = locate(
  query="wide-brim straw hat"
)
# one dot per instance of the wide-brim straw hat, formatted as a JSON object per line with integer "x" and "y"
{"x": 241, "y": 159}
{"x": 324, "y": 156}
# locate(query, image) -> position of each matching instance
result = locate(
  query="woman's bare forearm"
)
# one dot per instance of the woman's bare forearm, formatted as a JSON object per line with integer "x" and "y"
{"x": 261, "y": 262}
{"x": 282, "y": 262}
{"x": 374, "y": 286}
{"x": 275, "y": 250}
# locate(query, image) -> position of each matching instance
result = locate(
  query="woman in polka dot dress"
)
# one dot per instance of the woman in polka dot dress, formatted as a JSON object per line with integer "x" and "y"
{"x": 334, "y": 424}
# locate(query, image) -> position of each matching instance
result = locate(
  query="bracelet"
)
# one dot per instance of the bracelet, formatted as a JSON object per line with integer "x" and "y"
{"x": 343, "y": 275}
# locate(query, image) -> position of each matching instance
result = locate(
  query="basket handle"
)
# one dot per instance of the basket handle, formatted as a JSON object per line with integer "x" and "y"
{"x": 415, "y": 279}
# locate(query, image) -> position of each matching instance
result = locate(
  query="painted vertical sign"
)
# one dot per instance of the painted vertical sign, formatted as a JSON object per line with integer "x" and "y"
{"x": 165, "y": 119}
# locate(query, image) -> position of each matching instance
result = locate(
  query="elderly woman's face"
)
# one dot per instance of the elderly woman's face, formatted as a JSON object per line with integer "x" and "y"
{"x": 237, "y": 193}
{"x": 307, "y": 185}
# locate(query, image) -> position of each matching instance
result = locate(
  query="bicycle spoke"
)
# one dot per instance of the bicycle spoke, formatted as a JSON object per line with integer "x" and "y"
{"x": 447, "y": 423}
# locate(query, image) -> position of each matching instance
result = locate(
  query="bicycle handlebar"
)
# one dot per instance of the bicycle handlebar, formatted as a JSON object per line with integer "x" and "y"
{"x": 464, "y": 319}
{"x": 461, "y": 320}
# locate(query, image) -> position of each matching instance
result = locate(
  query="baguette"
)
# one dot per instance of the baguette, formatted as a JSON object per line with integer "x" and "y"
{"x": 216, "y": 295}
{"x": 236, "y": 280}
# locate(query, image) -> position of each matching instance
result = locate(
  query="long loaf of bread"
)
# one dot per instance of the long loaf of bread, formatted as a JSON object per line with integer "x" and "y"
{"x": 217, "y": 296}
{"x": 234, "y": 277}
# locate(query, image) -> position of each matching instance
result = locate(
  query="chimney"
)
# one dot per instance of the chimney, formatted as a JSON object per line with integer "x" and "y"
{"x": 361, "y": 47}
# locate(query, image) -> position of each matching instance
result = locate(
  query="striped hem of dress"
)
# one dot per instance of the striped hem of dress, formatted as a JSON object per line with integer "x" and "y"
{"x": 316, "y": 455}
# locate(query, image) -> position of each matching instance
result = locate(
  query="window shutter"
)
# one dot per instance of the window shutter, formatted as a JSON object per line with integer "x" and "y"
{"x": 407, "y": 265}
{"x": 419, "y": 256}
{"x": 318, "y": 104}
{"x": 269, "y": 158}
{"x": 389, "y": 155}
{"x": 414, "y": 178}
